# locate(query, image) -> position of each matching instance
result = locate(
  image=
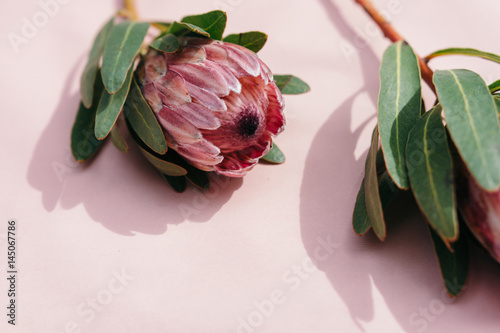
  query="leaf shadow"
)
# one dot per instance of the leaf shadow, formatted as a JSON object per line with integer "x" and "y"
{"x": 120, "y": 191}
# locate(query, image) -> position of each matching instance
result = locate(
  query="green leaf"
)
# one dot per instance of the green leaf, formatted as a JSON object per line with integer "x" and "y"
{"x": 163, "y": 163}
{"x": 453, "y": 265}
{"x": 121, "y": 49}
{"x": 465, "y": 51}
{"x": 291, "y": 85}
{"x": 163, "y": 166}
{"x": 374, "y": 208}
{"x": 430, "y": 169}
{"x": 494, "y": 87}
{"x": 387, "y": 189}
{"x": 110, "y": 107}
{"x": 275, "y": 155}
{"x": 182, "y": 29}
{"x": 253, "y": 40}
{"x": 422, "y": 107}
{"x": 177, "y": 183}
{"x": 167, "y": 43}
{"x": 472, "y": 122}
{"x": 399, "y": 105}
{"x": 198, "y": 178}
{"x": 143, "y": 121}
{"x": 213, "y": 23}
{"x": 83, "y": 141}
{"x": 90, "y": 71}
{"x": 118, "y": 140}
{"x": 496, "y": 98}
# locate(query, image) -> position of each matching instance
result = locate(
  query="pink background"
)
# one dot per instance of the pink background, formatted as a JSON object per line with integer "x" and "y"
{"x": 247, "y": 243}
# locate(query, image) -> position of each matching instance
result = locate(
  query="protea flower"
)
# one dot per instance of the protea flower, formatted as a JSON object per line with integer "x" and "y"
{"x": 481, "y": 212}
{"x": 216, "y": 101}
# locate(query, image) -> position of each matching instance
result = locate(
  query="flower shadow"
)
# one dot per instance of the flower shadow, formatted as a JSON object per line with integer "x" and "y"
{"x": 121, "y": 191}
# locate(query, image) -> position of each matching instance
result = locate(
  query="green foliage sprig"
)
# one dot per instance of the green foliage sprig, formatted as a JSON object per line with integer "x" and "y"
{"x": 110, "y": 92}
{"x": 422, "y": 151}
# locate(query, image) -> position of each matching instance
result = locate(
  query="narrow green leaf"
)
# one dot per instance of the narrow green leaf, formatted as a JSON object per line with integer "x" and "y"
{"x": 275, "y": 155}
{"x": 466, "y": 52}
{"x": 83, "y": 141}
{"x": 90, "y": 71}
{"x": 430, "y": 169}
{"x": 142, "y": 119}
{"x": 496, "y": 98}
{"x": 494, "y": 87}
{"x": 177, "y": 183}
{"x": 472, "y": 122}
{"x": 110, "y": 107}
{"x": 197, "y": 177}
{"x": 213, "y": 22}
{"x": 381, "y": 168}
{"x": 253, "y": 40}
{"x": 387, "y": 189}
{"x": 372, "y": 196}
{"x": 399, "y": 105}
{"x": 453, "y": 265}
{"x": 360, "y": 222}
{"x": 167, "y": 43}
{"x": 422, "y": 107}
{"x": 123, "y": 45}
{"x": 291, "y": 85}
{"x": 163, "y": 166}
{"x": 163, "y": 163}
{"x": 118, "y": 140}
{"x": 182, "y": 29}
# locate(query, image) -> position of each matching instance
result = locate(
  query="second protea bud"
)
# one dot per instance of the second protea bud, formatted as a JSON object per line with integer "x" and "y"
{"x": 216, "y": 101}
{"x": 481, "y": 211}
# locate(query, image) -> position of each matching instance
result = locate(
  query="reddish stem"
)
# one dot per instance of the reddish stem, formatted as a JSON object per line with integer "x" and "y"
{"x": 394, "y": 36}
{"x": 131, "y": 10}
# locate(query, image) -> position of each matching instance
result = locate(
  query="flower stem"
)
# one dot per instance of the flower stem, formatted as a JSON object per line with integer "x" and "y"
{"x": 391, "y": 34}
{"x": 130, "y": 9}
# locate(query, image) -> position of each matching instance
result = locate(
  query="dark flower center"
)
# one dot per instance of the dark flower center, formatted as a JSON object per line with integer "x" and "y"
{"x": 248, "y": 124}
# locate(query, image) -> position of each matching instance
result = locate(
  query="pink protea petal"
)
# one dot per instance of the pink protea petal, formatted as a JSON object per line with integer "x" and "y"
{"x": 218, "y": 54}
{"x": 231, "y": 80}
{"x": 259, "y": 149}
{"x": 152, "y": 97}
{"x": 190, "y": 54}
{"x": 178, "y": 128}
{"x": 206, "y": 98}
{"x": 265, "y": 73}
{"x": 199, "y": 116}
{"x": 234, "y": 166}
{"x": 275, "y": 118}
{"x": 204, "y": 77}
{"x": 202, "y": 153}
{"x": 173, "y": 89}
{"x": 249, "y": 63}
{"x": 155, "y": 68}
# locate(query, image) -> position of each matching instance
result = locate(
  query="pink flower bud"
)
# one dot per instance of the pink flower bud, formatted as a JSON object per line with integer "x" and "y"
{"x": 481, "y": 212}
{"x": 217, "y": 103}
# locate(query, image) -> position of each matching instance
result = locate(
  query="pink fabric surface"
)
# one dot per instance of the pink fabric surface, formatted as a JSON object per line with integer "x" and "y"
{"x": 109, "y": 247}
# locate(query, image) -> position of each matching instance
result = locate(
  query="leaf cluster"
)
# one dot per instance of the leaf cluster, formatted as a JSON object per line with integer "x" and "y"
{"x": 110, "y": 92}
{"x": 422, "y": 151}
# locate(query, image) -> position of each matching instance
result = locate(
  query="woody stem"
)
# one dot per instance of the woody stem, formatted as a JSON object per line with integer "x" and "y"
{"x": 394, "y": 36}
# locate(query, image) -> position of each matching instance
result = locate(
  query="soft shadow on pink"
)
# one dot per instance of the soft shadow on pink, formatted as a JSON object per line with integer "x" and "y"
{"x": 123, "y": 192}
{"x": 404, "y": 267}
